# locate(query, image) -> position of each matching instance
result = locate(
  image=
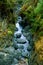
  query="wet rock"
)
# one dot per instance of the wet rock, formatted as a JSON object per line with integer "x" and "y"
{"x": 20, "y": 46}
{"x": 15, "y": 61}
{"x": 26, "y": 34}
{"x": 21, "y": 41}
{"x": 24, "y": 23}
{"x": 31, "y": 43}
{"x": 23, "y": 62}
{"x": 29, "y": 48}
{"x": 25, "y": 53}
{"x": 9, "y": 50}
{"x": 5, "y": 59}
{"x": 15, "y": 46}
{"x": 17, "y": 54}
{"x": 18, "y": 35}
{"x": 19, "y": 18}
{"x": 21, "y": 22}
{"x": 15, "y": 40}
{"x": 29, "y": 38}
{"x": 27, "y": 28}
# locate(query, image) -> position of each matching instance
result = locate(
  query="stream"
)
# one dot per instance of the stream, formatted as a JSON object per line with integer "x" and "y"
{"x": 20, "y": 39}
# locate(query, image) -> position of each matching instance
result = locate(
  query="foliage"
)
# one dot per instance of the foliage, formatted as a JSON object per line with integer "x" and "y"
{"x": 34, "y": 15}
{"x": 7, "y": 10}
{"x": 7, "y": 21}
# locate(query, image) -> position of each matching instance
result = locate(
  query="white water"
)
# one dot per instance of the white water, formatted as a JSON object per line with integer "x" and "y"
{"x": 22, "y": 36}
{"x": 18, "y": 26}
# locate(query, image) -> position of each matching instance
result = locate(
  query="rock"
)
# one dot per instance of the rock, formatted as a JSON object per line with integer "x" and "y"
{"x": 19, "y": 18}
{"x": 15, "y": 61}
{"x": 29, "y": 38}
{"x": 15, "y": 40}
{"x": 21, "y": 47}
{"x": 29, "y": 48}
{"x": 21, "y": 23}
{"x": 27, "y": 28}
{"x": 17, "y": 54}
{"x": 15, "y": 46}
{"x": 31, "y": 43}
{"x": 18, "y": 35}
{"x": 5, "y": 59}
{"x": 26, "y": 34}
{"x": 21, "y": 41}
{"x": 25, "y": 53}
{"x": 9, "y": 50}
{"x": 24, "y": 23}
{"x": 23, "y": 62}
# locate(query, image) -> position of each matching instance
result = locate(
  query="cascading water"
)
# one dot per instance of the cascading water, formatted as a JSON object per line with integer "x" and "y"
{"x": 20, "y": 42}
{"x": 25, "y": 45}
